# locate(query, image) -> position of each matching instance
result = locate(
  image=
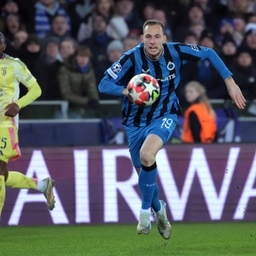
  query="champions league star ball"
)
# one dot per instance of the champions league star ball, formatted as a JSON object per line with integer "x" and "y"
{"x": 143, "y": 90}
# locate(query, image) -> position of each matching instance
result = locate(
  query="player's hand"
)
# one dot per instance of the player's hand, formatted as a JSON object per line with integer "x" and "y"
{"x": 235, "y": 93}
{"x": 12, "y": 110}
{"x": 125, "y": 92}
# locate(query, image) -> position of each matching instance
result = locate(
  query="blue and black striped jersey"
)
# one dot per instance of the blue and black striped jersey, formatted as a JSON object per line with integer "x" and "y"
{"x": 166, "y": 70}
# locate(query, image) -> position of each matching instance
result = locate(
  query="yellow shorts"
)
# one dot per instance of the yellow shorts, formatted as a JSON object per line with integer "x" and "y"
{"x": 9, "y": 147}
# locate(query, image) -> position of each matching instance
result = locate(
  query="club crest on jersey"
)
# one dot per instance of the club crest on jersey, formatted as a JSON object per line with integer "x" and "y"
{"x": 170, "y": 66}
{"x": 116, "y": 68}
{"x": 4, "y": 71}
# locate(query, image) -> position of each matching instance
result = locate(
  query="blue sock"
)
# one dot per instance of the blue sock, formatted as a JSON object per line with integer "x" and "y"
{"x": 147, "y": 184}
{"x": 155, "y": 201}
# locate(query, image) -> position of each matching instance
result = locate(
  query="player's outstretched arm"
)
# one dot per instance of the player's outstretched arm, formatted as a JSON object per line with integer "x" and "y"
{"x": 235, "y": 92}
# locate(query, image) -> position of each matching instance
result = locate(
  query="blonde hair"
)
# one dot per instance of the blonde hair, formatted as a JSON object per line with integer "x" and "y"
{"x": 203, "y": 99}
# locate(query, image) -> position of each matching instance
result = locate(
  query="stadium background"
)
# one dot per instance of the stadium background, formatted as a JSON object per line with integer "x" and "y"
{"x": 207, "y": 183}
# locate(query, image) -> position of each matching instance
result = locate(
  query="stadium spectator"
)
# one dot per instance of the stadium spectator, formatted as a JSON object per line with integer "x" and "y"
{"x": 238, "y": 35}
{"x": 195, "y": 15}
{"x": 226, "y": 25}
{"x": 127, "y": 9}
{"x": 176, "y": 16}
{"x": 147, "y": 10}
{"x": 98, "y": 43}
{"x": 196, "y": 29}
{"x": 228, "y": 50}
{"x": 77, "y": 83}
{"x": 252, "y": 18}
{"x": 59, "y": 27}
{"x": 241, "y": 9}
{"x": 130, "y": 42}
{"x": 245, "y": 73}
{"x": 50, "y": 62}
{"x": 209, "y": 7}
{"x": 19, "y": 38}
{"x": 39, "y": 20}
{"x": 195, "y": 22}
{"x": 160, "y": 14}
{"x": 200, "y": 125}
{"x": 67, "y": 47}
{"x": 30, "y": 53}
{"x": 206, "y": 74}
{"x": 190, "y": 38}
{"x": 13, "y": 24}
{"x": 78, "y": 12}
{"x": 189, "y": 71}
{"x": 249, "y": 41}
{"x": 9, "y": 7}
{"x": 115, "y": 50}
{"x": 116, "y": 27}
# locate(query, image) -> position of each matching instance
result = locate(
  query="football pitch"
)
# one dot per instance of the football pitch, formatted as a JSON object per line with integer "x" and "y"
{"x": 194, "y": 239}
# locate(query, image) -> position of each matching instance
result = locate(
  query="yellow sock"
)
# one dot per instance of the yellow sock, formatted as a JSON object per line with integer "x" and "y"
{"x": 19, "y": 180}
{"x": 2, "y": 192}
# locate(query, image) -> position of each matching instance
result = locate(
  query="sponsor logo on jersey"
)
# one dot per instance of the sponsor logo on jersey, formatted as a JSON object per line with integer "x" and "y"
{"x": 145, "y": 71}
{"x": 167, "y": 78}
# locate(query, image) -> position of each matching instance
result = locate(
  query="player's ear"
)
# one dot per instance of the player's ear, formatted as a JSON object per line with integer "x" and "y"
{"x": 165, "y": 38}
{"x": 142, "y": 38}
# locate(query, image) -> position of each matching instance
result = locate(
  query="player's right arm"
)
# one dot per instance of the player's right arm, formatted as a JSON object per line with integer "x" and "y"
{"x": 110, "y": 82}
{"x": 24, "y": 76}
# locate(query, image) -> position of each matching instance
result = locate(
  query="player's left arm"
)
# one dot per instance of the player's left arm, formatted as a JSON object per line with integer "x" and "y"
{"x": 34, "y": 91}
{"x": 195, "y": 52}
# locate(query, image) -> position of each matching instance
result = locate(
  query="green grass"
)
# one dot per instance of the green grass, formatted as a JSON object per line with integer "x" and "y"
{"x": 193, "y": 239}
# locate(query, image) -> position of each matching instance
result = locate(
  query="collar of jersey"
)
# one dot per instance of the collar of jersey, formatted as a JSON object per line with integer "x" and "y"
{"x": 3, "y": 56}
{"x": 150, "y": 58}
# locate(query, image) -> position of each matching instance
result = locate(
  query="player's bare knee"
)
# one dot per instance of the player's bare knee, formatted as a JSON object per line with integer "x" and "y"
{"x": 147, "y": 158}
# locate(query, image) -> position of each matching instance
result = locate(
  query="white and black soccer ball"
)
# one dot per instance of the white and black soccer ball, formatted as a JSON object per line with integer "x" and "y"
{"x": 143, "y": 90}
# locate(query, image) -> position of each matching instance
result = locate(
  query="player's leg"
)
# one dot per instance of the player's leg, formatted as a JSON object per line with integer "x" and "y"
{"x": 3, "y": 174}
{"x": 20, "y": 181}
{"x": 135, "y": 138}
{"x": 10, "y": 151}
{"x": 161, "y": 128}
{"x": 148, "y": 172}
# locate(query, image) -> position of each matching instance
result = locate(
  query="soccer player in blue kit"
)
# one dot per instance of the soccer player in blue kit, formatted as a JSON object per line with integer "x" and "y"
{"x": 149, "y": 128}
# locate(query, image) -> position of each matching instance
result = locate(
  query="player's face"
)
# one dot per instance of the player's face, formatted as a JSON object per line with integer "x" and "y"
{"x": 153, "y": 39}
{"x": 2, "y": 46}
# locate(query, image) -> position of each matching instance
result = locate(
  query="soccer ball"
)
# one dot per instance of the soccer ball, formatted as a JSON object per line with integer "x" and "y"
{"x": 143, "y": 90}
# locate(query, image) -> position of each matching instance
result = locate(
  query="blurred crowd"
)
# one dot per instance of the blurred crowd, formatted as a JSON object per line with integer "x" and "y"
{"x": 67, "y": 45}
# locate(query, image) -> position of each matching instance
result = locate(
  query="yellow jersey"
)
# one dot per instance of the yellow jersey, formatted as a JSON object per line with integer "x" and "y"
{"x": 13, "y": 72}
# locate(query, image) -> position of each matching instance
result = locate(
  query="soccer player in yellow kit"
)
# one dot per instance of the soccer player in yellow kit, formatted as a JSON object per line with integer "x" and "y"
{"x": 13, "y": 72}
